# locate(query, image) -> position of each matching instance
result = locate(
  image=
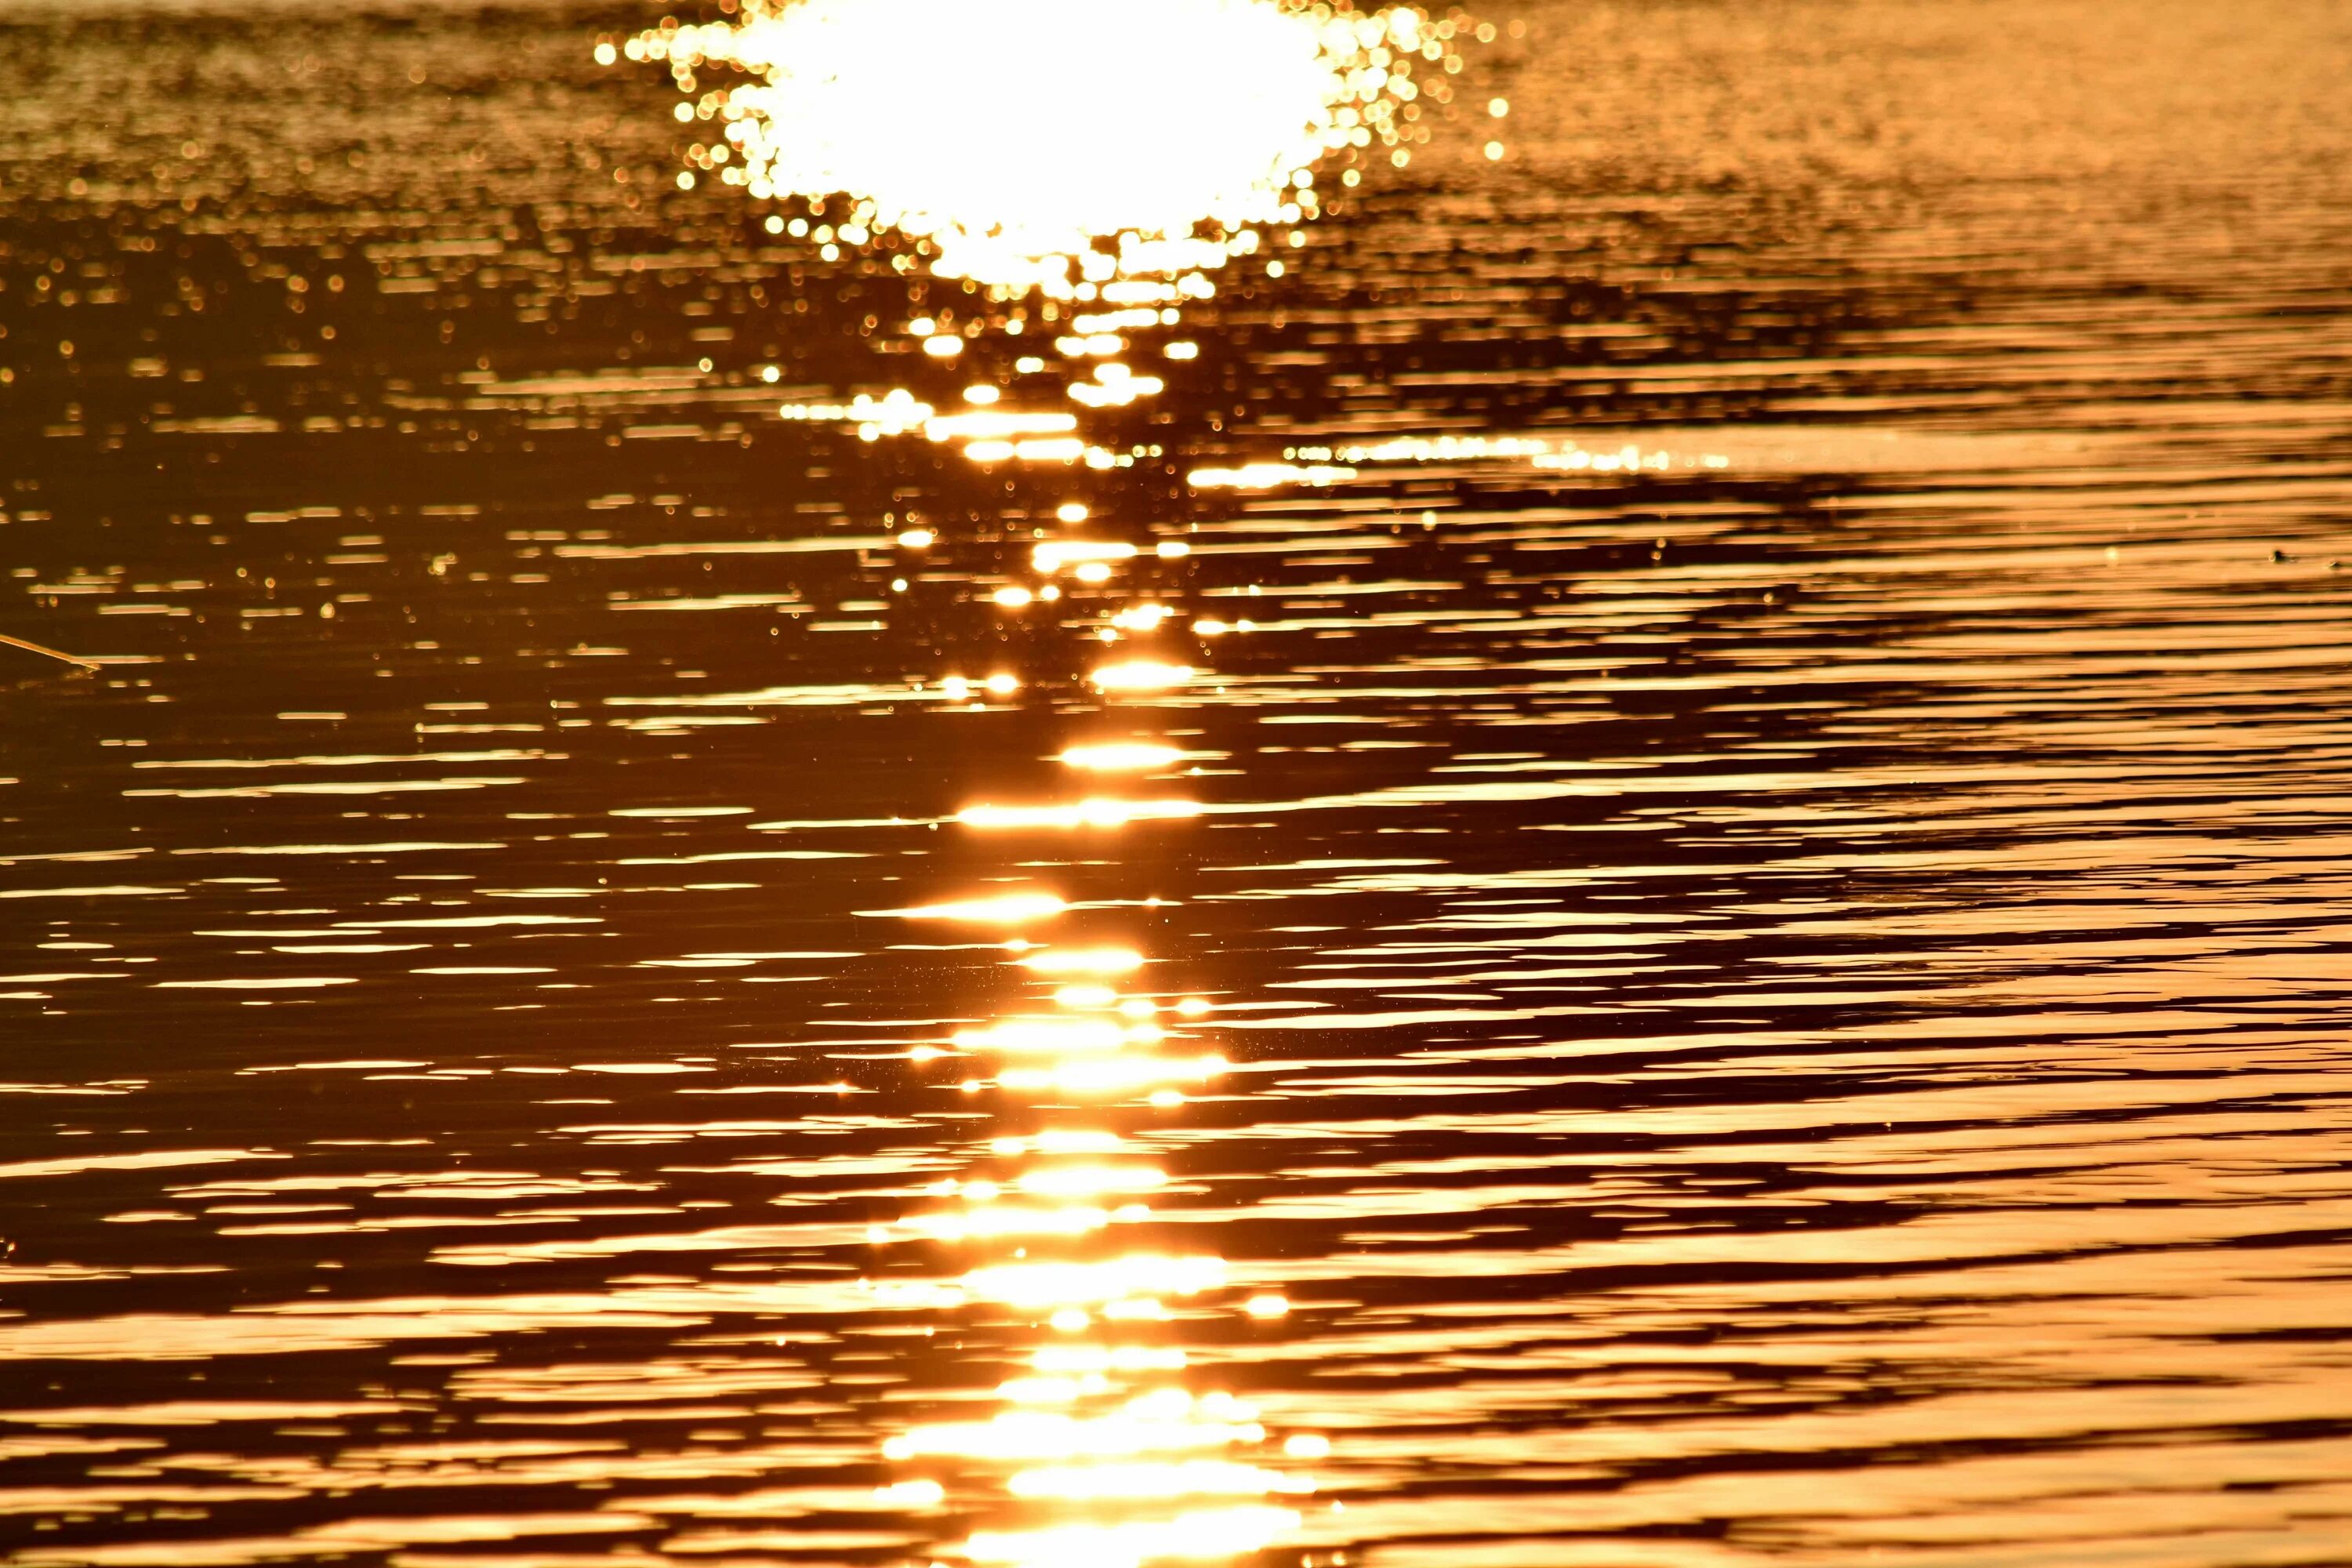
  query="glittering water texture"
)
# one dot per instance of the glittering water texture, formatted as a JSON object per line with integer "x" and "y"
{"x": 1114, "y": 152}
{"x": 1631, "y": 851}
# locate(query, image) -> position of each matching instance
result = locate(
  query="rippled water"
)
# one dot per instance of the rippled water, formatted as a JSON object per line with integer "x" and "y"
{"x": 1667, "y": 886}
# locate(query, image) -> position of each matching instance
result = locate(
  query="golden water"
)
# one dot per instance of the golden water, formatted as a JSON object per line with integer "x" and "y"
{"x": 1624, "y": 843}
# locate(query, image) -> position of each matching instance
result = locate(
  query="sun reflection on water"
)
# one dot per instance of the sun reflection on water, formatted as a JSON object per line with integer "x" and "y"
{"x": 1102, "y": 1448}
{"x": 1090, "y": 167}
{"x": 1094, "y": 811}
{"x": 1087, "y": 170}
{"x": 1114, "y": 153}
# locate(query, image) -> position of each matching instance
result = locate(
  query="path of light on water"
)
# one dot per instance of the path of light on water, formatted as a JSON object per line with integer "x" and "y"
{"x": 1007, "y": 137}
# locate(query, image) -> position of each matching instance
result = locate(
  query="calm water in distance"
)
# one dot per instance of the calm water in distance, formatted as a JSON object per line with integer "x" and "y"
{"x": 1666, "y": 888}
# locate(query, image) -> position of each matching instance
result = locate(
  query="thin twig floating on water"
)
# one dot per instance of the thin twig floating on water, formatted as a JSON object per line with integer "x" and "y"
{"x": 6, "y": 641}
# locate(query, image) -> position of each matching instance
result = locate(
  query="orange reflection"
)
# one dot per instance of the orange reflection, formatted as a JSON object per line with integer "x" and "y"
{"x": 1127, "y": 756}
{"x": 1094, "y": 1452}
{"x": 1188, "y": 1478}
{"x": 991, "y": 1221}
{"x": 1054, "y": 554}
{"x": 1046, "y": 1035}
{"x": 1060, "y": 1140}
{"x": 1006, "y": 909}
{"x": 1141, "y": 675}
{"x": 1194, "y": 1536}
{"x": 1084, "y": 961}
{"x": 1174, "y": 130}
{"x": 1092, "y": 1181}
{"x": 1093, "y": 813}
{"x": 1114, "y": 1075}
{"x": 1165, "y": 1421}
{"x": 1099, "y": 1452}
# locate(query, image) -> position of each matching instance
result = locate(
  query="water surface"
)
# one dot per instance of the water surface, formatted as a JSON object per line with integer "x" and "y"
{"x": 1652, "y": 871}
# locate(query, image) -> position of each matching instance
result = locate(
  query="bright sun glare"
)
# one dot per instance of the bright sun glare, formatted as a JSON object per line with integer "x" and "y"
{"x": 1119, "y": 150}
